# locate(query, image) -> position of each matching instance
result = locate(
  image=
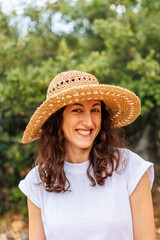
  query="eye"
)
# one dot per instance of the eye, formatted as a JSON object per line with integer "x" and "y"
{"x": 95, "y": 110}
{"x": 77, "y": 110}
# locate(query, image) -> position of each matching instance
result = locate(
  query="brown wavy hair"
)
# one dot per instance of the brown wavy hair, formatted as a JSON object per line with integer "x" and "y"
{"x": 103, "y": 160}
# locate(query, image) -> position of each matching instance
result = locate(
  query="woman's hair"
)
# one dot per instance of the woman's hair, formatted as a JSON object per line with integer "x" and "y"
{"x": 103, "y": 160}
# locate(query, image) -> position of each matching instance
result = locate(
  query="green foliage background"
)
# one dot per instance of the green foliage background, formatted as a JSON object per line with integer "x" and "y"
{"x": 121, "y": 48}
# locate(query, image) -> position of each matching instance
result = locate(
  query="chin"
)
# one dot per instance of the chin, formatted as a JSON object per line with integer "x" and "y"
{"x": 85, "y": 146}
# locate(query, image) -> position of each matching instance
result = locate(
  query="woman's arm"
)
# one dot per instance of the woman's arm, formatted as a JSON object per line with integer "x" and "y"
{"x": 142, "y": 211}
{"x": 36, "y": 230}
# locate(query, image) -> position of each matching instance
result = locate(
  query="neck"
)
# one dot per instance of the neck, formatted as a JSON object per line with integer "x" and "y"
{"x": 77, "y": 155}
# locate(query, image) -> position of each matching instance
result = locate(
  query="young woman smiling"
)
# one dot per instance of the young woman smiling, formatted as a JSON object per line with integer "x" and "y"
{"x": 81, "y": 124}
{"x": 86, "y": 183}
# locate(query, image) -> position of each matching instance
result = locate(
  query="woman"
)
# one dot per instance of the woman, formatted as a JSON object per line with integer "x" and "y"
{"x": 87, "y": 184}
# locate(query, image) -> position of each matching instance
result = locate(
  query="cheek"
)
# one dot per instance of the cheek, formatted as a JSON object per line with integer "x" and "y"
{"x": 98, "y": 122}
{"x": 67, "y": 125}
{"x": 64, "y": 124}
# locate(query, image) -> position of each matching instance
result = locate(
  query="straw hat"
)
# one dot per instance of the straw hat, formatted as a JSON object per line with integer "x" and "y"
{"x": 75, "y": 86}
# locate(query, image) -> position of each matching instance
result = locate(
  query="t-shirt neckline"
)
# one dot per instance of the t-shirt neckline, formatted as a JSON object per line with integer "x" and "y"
{"x": 76, "y": 167}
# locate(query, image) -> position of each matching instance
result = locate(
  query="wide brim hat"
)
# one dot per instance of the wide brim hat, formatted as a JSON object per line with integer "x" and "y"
{"x": 75, "y": 86}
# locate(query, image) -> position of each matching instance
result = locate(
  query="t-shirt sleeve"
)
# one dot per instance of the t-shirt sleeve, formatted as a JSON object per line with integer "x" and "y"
{"x": 135, "y": 169}
{"x": 30, "y": 186}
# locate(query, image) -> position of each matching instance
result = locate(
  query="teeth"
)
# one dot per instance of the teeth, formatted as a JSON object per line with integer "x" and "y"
{"x": 83, "y": 132}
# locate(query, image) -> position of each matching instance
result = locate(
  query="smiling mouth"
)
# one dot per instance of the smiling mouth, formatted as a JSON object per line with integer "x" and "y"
{"x": 84, "y": 132}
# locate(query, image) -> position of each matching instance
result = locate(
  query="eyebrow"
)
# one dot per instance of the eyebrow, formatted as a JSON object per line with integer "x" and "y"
{"x": 79, "y": 104}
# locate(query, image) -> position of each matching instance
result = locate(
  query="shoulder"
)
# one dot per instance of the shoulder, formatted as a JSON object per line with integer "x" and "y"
{"x": 128, "y": 160}
{"x": 33, "y": 175}
{"x": 132, "y": 159}
{"x": 31, "y": 187}
{"x": 32, "y": 178}
{"x": 134, "y": 167}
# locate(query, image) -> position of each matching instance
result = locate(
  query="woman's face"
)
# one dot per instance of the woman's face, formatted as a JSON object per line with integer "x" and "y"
{"x": 81, "y": 123}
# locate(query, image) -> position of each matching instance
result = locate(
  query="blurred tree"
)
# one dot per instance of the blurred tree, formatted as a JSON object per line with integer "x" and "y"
{"x": 117, "y": 41}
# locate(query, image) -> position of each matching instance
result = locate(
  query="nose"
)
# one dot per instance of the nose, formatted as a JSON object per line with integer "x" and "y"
{"x": 87, "y": 119}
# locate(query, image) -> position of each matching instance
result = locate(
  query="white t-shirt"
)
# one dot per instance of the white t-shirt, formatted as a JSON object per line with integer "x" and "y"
{"x": 89, "y": 213}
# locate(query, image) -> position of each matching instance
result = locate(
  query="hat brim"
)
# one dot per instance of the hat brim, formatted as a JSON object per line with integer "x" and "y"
{"x": 123, "y": 104}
